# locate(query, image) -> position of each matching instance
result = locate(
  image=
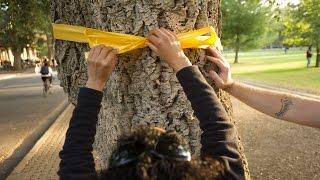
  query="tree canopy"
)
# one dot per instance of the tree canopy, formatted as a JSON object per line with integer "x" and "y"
{"x": 245, "y": 23}
{"x": 22, "y": 22}
{"x": 302, "y": 25}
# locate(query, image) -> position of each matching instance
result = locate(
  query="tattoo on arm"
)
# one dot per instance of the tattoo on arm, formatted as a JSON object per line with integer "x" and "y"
{"x": 286, "y": 103}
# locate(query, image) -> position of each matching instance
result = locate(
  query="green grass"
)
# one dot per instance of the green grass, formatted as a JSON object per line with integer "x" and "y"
{"x": 276, "y": 68}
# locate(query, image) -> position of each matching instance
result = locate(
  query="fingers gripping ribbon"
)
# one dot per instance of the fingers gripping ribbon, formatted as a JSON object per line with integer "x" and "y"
{"x": 201, "y": 38}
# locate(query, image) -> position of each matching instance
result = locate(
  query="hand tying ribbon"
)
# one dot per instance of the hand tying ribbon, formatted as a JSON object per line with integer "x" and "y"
{"x": 201, "y": 38}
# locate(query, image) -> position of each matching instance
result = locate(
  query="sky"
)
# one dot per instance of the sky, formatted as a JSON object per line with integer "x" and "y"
{"x": 285, "y": 2}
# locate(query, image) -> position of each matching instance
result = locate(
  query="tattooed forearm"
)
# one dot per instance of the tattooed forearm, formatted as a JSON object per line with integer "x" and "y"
{"x": 286, "y": 103}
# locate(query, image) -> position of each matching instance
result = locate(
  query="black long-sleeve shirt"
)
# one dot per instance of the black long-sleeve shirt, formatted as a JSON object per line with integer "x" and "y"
{"x": 218, "y": 138}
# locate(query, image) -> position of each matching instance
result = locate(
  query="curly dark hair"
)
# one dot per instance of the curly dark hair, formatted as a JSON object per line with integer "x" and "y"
{"x": 147, "y": 167}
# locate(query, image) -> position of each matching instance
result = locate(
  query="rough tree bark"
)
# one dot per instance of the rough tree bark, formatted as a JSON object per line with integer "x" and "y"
{"x": 143, "y": 90}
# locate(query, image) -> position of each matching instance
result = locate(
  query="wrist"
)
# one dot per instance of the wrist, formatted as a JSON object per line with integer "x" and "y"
{"x": 95, "y": 85}
{"x": 181, "y": 62}
{"x": 230, "y": 87}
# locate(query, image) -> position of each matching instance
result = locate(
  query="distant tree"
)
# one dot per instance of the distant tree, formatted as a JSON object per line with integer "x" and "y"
{"x": 45, "y": 45}
{"x": 244, "y": 24}
{"x": 302, "y": 26}
{"x": 293, "y": 27}
{"x": 272, "y": 36}
{"x": 20, "y": 25}
{"x": 275, "y": 28}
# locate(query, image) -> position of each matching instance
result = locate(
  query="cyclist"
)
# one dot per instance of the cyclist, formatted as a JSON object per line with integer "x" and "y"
{"x": 46, "y": 73}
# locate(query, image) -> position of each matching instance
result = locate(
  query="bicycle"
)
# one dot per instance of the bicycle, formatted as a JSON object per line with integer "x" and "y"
{"x": 46, "y": 87}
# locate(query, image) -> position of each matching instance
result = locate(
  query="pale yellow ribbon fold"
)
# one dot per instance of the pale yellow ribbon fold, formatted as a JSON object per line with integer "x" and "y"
{"x": 201, "y": 38}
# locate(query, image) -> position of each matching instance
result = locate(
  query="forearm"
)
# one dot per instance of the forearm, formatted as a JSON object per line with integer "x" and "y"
{"x": 206, "y": 105}
{"x": 218, "y": 137}
{"x": 82, "y": 127}
{"x": 76, "y": 156}
{"x": 280, "y": 105}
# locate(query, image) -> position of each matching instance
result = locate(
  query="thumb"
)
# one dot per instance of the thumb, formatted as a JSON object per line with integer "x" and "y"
{"x": 216, "y": 78}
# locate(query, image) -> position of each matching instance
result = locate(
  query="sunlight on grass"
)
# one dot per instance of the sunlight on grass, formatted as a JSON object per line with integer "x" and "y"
{"x": 276, "y": 68}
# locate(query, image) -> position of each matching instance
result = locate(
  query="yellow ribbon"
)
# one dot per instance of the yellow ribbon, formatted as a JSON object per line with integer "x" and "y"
{"x": 201, "y": 38}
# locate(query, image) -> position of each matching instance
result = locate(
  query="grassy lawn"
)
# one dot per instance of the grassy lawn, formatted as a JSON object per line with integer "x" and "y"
{"x": 276, "y": 68}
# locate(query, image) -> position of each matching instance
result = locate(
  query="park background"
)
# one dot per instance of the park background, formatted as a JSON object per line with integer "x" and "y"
{"x": 265, "y": 42}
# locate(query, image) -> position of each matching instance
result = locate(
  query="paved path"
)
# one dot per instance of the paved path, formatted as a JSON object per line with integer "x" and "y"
{"x": 42, "y": 162}
{"x": 275, "y": 149}
{"x": 23, "y": 109}
{"x": 23, "y": 80}
{"x": 12, "y": 74}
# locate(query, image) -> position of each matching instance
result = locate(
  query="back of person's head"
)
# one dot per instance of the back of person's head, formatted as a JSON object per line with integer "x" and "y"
{"x": 46, "y": 64}
{"x": 152, "y": 153}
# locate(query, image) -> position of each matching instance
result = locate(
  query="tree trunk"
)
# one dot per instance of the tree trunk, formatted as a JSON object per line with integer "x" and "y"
{"x": 28, "y": 52}
{"x": 8, "y": 55}
{"x": 318, "y": 57}
{"x": 236, "y": 58}
{"x": 17, "y": 58}
{"x": 143, "y": 90}
{"x": 50, "y": 45}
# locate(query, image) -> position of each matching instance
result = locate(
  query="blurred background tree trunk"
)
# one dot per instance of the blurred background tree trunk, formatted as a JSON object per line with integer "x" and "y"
{"x": 318, "y": 56}
{"x": 49, "y": 41}
{"x": 237, "y": 49}
{"x": 16, "y": 52}
{"x": 143, "y": 90}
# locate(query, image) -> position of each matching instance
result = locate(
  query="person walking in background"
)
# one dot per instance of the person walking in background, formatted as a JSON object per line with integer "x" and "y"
{"x": 286, "y": 48}
{"x": 309, "y": 56}
{"x": 37, "y": 68}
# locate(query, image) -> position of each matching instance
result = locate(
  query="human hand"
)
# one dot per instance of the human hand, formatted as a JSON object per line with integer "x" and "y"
{"x": 165, "y": 44}
{"x": 101, "y": 63}
{"x": 223, "y": 80}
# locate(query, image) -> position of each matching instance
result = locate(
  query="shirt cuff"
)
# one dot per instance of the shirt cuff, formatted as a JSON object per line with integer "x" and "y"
{"x": 189, "y": 74}
{"x": 89, "y": 96}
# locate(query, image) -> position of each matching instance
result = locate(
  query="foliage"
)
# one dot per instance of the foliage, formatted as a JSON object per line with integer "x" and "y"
{"x": 42, "y": 47}
{"x": 18, "y": 19}
{"x": 293, "y": 27}
{"x": 302, "y": 25}
{"x": 272, "y": 36}
{"x": 21, "y": 24}
{"x": 308, "y": 12}
{"x": 245, "y": 23}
